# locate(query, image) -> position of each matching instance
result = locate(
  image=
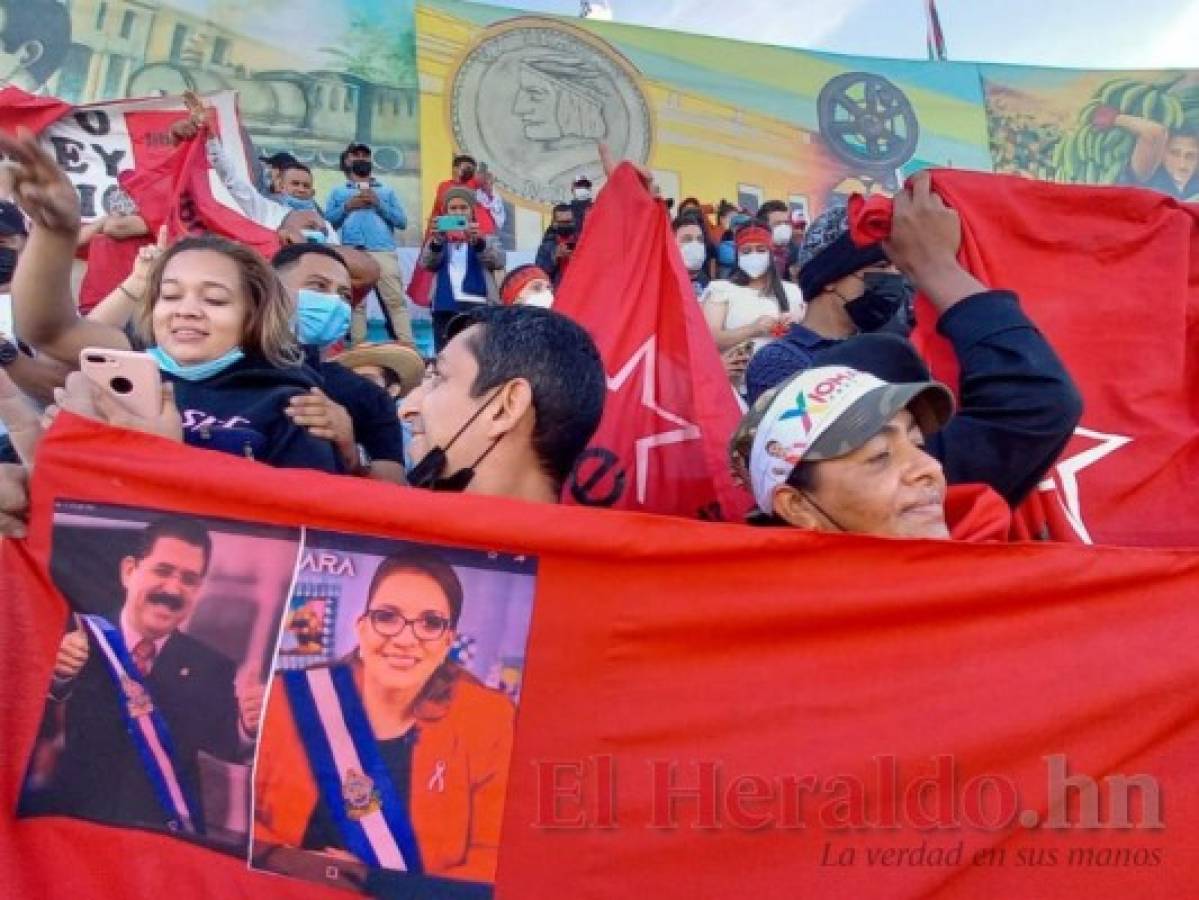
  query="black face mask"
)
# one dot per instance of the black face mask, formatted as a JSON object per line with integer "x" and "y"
{"x": 564, "y": 230}
{"x": 360, "y": 168}
{"x": 8, "y": 264}
{"x": 427, "y": 473}
{"x": 886, "y": 293}
{"x": 468, "y": 173}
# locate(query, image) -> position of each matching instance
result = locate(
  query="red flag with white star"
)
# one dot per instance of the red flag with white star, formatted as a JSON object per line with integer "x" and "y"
{"x": 669, "y": 412}
{"x": 1111, "y": 276}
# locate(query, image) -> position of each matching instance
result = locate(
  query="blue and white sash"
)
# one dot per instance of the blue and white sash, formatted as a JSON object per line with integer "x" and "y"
{"x": 353, "y": 780}
{"x": 147, "y": 728}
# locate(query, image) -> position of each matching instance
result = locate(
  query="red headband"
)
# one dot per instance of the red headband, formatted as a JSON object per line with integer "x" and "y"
{"x": 752, "y": 234}
{"x": 518, "y": 282}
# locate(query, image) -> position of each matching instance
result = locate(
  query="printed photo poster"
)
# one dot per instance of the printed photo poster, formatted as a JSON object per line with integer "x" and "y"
{"x": 389, "y": 723}
{"x": 533, "y": 96}
{"x": 310, "y": 78}
{"x": 1132, "y": 128}
{"x": 156, "y": 695}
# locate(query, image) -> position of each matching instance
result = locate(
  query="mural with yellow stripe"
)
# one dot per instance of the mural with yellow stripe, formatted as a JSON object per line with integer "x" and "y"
{"x": 531, "y": 96}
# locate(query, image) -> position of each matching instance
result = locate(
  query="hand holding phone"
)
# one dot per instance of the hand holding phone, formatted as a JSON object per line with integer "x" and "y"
{"x": 131, "y": 379}
{"x": 446, "y": 224}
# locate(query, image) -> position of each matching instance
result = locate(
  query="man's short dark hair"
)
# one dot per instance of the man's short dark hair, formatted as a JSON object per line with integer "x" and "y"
{"x": 462, "y": 158}
{"x": 564, "y": 208}
{"x": 287, "y": 167}
{"x": 690, "y": 217}
{"x": 45, "y": 21}
{"x": 562, "y": 365}
{"x": 291, "y": 254}
{"x": 188, "y": 531}
{"x": 772, "y": 206}
{"x": 352, "y": 148}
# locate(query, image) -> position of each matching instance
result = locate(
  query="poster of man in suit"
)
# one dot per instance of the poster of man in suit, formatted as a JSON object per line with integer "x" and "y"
{"x": 155, "y": 697}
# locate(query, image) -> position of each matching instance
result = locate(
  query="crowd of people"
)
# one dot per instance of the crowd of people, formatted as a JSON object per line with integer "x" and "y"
{"x": 843, "y": 430}
{"x": 268, "y": 359}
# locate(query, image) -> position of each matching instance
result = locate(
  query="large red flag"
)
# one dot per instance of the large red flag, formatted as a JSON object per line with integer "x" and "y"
{"x": 1111, "y": 276}
{"x": 669, "y": 412}
{"x": 741, "y": 713}
{"x": 177, "y": 192}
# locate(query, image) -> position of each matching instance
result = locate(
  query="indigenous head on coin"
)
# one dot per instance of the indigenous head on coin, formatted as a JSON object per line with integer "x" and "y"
{"x": 534, "y": 98}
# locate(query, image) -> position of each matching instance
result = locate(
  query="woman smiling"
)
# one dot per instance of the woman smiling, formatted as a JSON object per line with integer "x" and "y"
{"x": 214, "y": 316}
{"x": 395, "y": 756}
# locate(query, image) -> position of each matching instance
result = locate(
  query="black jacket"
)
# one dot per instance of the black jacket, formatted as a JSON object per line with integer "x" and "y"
{"x": 1018, "y": 404}
{"x": 373, "y": 412}
{"x": 99, "y": 775}
{"x": 241, "y": 411}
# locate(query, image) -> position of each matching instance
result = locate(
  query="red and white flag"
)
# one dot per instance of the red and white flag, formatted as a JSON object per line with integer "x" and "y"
{"x": 125, "y": 144}
{"x": 669, "y": 412}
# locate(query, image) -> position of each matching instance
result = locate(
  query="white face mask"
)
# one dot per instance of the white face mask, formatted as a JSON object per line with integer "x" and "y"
{"x": 754, "y": 264}
{"x": 544, "y": 299}
{"x": 694, "y": 254}
{"x": 582, "y": 193}
{"x": 781, "y": 233}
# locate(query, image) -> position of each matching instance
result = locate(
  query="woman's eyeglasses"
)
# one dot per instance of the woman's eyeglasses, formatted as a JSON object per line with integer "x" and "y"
{"x": 428, "y": 626}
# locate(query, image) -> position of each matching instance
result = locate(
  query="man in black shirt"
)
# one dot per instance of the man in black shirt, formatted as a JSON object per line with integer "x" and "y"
{"x": 356, "y": 415}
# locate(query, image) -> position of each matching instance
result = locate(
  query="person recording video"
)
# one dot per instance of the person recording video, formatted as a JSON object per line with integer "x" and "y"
{"x": 466, "y": 262}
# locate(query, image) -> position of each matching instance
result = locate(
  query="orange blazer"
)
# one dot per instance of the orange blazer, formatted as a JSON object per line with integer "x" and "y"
{"x": 456, "y": 817}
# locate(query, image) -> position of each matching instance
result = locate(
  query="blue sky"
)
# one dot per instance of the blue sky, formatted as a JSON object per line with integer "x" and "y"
{"x": 1084, "y": 33}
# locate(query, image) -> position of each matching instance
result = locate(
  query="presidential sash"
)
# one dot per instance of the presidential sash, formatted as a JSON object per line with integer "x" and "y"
{"x": 146, "y": 728}
{"x": 353, "y": 780}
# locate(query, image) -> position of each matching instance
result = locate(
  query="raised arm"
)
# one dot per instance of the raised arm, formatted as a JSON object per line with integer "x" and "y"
{"x": 44, "y": 311}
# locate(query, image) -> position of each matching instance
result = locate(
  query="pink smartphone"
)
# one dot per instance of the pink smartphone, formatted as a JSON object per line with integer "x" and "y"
{"x": 130, "y": 378}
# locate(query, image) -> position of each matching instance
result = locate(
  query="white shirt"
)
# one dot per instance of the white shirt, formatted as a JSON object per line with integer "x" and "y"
{"x": 133, "y": 637}
{"x": 456, "y": 262}
{"x": 266, "y": 212}
{"x": 746, "y": 304}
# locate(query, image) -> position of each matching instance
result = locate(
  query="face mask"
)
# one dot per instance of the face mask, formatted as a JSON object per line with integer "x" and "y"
{"x": 582, "y": 193}
{"x": 8, "y": 264}
{"x": 694, "y": 254}
{"x": 297, "y": 203}
{"x": 564, "y": 230}
{"x": 726, "y": 253}
{"x": 321, "y": 319}
{"x": 406, "y": 431}
{"x": 196, "y": 371}
{"x": 885, "y": 293}
{"x": 427, "y": 473}
{"x": 754, "y": 264}
{"x": 360, "y": 168}
{"x": 468, "y": 173}
{"x": 781, "y": 233}
{"x": 543, "y": 299}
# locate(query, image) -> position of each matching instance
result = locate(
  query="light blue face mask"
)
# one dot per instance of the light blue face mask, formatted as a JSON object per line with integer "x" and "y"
{"x": 406, "y": 428}
{"x": 195, "y": 371}
{"x": 321, "y": 319}
{"x": 726, "y": 253}
{"x": 296, "y": 202}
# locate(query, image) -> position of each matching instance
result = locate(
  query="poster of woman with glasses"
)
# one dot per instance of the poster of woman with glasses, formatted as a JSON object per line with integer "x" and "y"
{"x": 388, "y": 729}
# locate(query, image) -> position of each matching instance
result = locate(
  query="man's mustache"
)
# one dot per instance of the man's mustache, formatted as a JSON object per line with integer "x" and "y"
{"x": 172, "y": 602}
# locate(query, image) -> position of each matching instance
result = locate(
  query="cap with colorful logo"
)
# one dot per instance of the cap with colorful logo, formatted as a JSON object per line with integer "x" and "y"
{"x": 821, "y": 414}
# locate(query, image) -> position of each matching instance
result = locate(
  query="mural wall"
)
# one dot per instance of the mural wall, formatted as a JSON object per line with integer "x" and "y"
{"x": 531, "y": 96}
{"x": 311, "y": 75}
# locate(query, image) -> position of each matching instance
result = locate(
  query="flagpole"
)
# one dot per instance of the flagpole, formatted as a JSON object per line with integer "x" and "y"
{"x": 934, "y": 35}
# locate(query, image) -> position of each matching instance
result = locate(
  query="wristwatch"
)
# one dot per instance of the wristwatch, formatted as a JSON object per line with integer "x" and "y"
{"x": 8, "y": 352}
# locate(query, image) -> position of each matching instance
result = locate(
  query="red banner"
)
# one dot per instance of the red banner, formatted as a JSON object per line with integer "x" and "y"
{"x": 98, "y": 143}
{"x": 1111, "y": 276}
{"x": 662, "y": 444}
{"x": 739, "y": 713}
